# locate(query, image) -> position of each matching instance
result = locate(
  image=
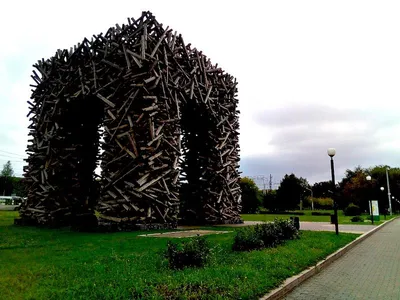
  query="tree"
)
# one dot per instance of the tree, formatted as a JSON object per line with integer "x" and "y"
{"x": 6, "y": 176}
{"x": 354, "y": 188}
{"x": 9, "y": 184}
{"x": 291, "y": 191}
{"x": 18, "y": 187}
{"x": 250, "y": 196}
{"x": 7, "y": 170}
{"x": 322, "y": 189}
{"x": 378, "y": 173}
{"x": 269, "y": 200}
{"x": 357, "y": 190}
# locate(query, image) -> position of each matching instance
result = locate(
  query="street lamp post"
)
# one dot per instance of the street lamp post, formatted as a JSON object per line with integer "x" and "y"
{"x": 370, "y": 203}
{"x": 331, "y": 153}
{"x": 312, "y": 197}
{"x": 388, "y": 187}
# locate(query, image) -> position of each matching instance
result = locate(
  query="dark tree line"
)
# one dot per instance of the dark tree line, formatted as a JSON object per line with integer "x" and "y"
{"x": 9, "y": 184}
{"x": 354, "y": 189}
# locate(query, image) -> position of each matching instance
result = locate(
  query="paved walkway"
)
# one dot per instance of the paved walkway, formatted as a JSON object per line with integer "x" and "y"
{"x": 314, "y": 226}
{"x": 326, "y": 226}
{"x": 371, "y": 270}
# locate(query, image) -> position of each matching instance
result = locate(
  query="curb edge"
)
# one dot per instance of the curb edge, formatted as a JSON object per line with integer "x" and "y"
{"x": 294, "y": 281}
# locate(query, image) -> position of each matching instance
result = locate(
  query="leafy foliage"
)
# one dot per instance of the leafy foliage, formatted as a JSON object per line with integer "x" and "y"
{"x": 247, "y": 239}
{"x": 354, "y": 188}
{"x": 9, "y": 184}
{"x": 18, "y": 187}
{"x": 290, "y": 192}
{"x": 352, "y": 210}
{"x": 357, "y": 219}
{"x": 265, "y": 235}
{"x": 250, "y": 196}
{"x": 6, "y": 185}
{"x": 191, "y": 253}
{"x": 318, "y": 213}
{"x": 322, "y": 189}
{"x": 277, "y": 212}
{"x": 269, "y": 200}
{"x": 8, "y": 170}
{"x": 319, "y": 203}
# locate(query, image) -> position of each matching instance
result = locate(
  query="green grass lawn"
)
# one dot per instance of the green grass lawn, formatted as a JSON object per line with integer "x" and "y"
{"x": 59, "y": 264}
{"x": 307, "y": 217}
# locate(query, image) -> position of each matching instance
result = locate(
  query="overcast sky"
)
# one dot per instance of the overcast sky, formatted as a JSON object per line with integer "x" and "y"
{"x": 312, "y": 74}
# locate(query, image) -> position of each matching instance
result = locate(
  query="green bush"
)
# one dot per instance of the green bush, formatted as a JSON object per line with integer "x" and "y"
{"x": 357, "y": 219}
{"x": 352, "y": 210}
{"x": 247, "y": 239}
{"x": 192, "y": 253}
{"x": 265, "y": 235}
{"x": 269, "y": 234}
{"x": 288, "y": 229}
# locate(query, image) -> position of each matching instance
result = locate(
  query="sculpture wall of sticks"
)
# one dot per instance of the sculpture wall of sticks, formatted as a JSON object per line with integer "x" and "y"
{"x": 164, "y": 117}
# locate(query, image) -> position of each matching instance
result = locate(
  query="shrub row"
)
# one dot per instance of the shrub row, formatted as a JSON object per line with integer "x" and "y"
{"x": 196, "y": 252}
{"x": 295, "y": 213}
{"x": 319, "y": 203}
{"x": 317, "y": 213}
{"x": 264, "y": 235}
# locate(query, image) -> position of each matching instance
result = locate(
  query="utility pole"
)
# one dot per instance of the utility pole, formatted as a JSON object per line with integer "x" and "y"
{"x": 270, "y": 183}
{"x": 312, "y": 197}
{"x": 262, "y": 177}
{"x": 264, "y": 183}
{"x": 388, "y": 188}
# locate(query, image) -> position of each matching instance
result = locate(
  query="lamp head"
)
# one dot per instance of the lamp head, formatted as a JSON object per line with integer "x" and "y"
{"x": 382, "y": 188}
{"x": 331, "y": 152}
{"x": 368, "y": 178}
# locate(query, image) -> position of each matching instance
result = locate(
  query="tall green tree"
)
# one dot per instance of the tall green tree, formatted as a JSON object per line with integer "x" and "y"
{"x": 6, "y": 178}
{"x": 269, "y": 200}
{"x": 354, "y": 188}
{"x": 358, "y": 190}
{"x": 291, "y": 192}
{"x": 250, "y": 196}
{"x": 378, "y": 173}
{"x": 322, "y": 189}
{"x": 18, "y": 187}
{"x": 8, "y": 170}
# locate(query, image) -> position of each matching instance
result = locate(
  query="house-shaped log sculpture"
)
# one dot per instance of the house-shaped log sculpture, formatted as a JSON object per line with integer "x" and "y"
{"x": 158, "y": 116}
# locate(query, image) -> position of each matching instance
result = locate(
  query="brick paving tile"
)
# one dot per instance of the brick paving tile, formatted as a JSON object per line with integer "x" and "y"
{"x": 371, "y": 270}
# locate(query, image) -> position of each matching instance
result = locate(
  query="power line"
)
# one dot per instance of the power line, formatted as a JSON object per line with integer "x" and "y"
{"x": 12, "y": 153}
{"x": 13, "y": 161}
{"x": 12, "y": 157}
{"x": 264, "y": 183}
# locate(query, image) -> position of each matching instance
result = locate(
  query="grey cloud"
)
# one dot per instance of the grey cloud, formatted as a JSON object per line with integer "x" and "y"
{"x": 317, "y": 114}
{"x": 314, "y": 165}
{"x": 300, "y": 142}
{"x": 300, "y": 114}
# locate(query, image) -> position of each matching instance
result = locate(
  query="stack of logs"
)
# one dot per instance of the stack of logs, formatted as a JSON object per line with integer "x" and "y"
{"x": 170, "y": 132}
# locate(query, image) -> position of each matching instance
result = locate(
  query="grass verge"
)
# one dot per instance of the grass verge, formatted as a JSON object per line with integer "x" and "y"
{"x": 60, "y": 264}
